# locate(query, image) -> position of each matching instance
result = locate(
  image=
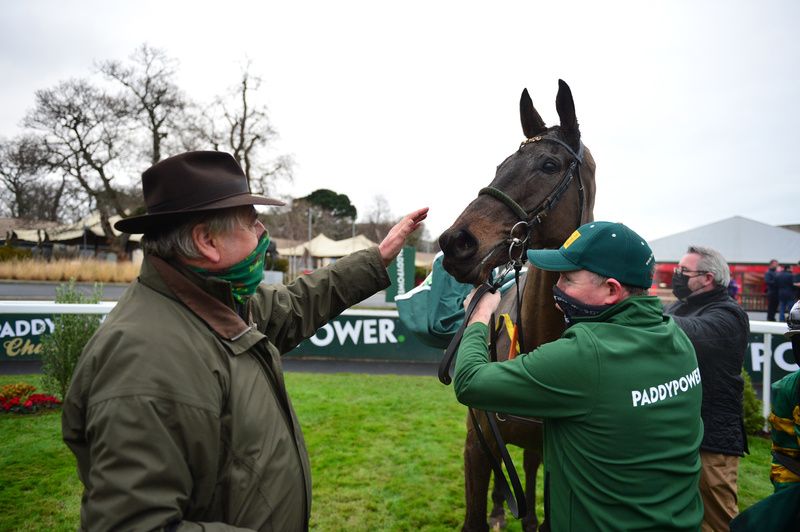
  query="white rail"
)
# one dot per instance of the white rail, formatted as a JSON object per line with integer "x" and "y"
{"x": 104, "y": 307}
{"x": 768, "y": 328}
{"x": 51, "y": 307}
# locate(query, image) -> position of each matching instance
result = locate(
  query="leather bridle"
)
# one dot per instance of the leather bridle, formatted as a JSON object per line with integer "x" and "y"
{"x": 534, "y": 217}
{"x": 518, "y": 241}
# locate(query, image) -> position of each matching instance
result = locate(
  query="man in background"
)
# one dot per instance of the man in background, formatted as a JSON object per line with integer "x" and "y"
{"x": 785, "y": 283}
{"x": 718, "y": 329}
{"x": 772, "y": 289}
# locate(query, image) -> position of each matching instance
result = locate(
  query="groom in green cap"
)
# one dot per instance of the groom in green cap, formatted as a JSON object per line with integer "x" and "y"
{"x": 619, "y": 392}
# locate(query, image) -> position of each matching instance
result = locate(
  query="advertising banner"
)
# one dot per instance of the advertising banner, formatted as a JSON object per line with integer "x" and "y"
{"x": 21, "y": 335}
{"x": 401, "y": 273}
{"x": 367, "y": 335}
{"x": 783, "y": 361}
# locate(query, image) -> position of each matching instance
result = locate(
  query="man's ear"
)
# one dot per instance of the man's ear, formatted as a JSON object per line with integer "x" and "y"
{"x": 616, "y": 292}
{"x": 206, "y": 243}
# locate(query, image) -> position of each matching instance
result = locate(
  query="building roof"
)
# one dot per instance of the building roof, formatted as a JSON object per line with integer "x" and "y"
{"x": 7, "y": 225}
{"x": 60, "y": 233}
{"x": 740, "y": 240}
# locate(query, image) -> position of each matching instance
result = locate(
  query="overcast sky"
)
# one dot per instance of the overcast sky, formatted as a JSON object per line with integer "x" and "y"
{"x": 689, "y": 107}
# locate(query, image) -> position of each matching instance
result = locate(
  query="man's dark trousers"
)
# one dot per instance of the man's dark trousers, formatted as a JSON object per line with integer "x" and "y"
{"x": 772, "y": 305}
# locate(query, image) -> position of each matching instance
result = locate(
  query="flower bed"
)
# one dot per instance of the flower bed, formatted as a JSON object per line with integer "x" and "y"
{"x": 20, "y": 399}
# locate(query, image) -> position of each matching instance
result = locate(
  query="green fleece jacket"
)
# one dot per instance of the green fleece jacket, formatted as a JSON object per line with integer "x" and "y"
{"x": 620, "y": 397}
{"x": 177, "y": 412}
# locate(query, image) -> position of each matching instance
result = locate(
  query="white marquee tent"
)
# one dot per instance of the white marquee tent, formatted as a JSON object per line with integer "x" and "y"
{"x": 323, "y": 247}
{"x": 321, "y": 251}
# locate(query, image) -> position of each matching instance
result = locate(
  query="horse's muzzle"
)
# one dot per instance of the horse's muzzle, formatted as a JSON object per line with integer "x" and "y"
{"x": 458, "y": 244}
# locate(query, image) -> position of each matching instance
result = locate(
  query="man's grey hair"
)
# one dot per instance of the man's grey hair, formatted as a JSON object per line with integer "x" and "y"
{"x": 712, "y": 262}
{"x": 177, "y": 241}
{"x": 632, "y": 290}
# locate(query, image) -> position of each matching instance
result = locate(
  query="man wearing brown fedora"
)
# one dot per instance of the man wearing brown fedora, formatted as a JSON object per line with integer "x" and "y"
{"x": 178, "y": 413}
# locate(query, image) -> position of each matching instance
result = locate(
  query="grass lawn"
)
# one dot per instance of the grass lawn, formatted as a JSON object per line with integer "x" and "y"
{"x": 386, "y": 454}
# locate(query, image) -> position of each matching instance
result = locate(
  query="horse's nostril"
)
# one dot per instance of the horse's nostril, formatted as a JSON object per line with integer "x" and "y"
{"x": 459, "y": 244}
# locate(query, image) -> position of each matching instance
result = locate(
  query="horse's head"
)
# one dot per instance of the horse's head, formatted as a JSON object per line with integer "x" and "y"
{"x": 547, "y": 184}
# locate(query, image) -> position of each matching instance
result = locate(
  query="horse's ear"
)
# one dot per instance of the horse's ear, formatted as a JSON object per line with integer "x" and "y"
{"x": 566, "y": 112}
{"x": 532, "y": 123}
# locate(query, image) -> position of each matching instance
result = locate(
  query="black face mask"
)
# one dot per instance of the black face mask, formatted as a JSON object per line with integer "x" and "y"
{"x": 572, "y": 308}
{"x": 680, "y": 286}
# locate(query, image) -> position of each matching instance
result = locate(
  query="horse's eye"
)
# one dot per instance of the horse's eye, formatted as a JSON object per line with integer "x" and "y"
{"x": 549, "y": 167}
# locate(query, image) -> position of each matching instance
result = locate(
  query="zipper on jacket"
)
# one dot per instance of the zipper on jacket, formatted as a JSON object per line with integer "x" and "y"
{"x": 282, "y": 399}
{"x": 277, "y": 391}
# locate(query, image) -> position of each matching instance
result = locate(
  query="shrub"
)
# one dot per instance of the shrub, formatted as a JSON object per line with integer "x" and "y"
{"x": 61, "y": 349}
{"x": 20, "y": 399}
{"x": 753, "y": 420}
{"x": 420, "y": 274}
{"x": 11, "y": 253}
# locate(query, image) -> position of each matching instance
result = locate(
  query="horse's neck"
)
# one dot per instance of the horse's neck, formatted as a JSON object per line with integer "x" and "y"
{"x": 542, "y": 322}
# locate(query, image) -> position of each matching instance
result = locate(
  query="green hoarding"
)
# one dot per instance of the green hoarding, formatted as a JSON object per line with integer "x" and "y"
{"x": 783, "y": 360}
{"x": 362, "y": 335}
{"x": 367, "y": 335}
{"x": 401, "y": 273}
{"x": 21, "y": 335}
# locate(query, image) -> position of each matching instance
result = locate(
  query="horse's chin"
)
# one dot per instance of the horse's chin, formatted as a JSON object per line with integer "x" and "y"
{"x": 465, "y": 273}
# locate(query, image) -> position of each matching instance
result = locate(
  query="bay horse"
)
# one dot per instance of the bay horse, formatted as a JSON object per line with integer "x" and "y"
{"x": 540, "y": 194}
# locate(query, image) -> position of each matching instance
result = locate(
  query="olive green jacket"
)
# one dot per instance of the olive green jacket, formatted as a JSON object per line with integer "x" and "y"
{"x": 177, "y": 412}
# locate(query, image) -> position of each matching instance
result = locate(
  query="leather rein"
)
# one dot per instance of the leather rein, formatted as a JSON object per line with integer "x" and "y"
{"x": 518, "y": 241}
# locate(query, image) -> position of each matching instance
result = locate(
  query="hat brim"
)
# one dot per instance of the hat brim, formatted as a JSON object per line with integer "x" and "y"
{"x": 551, "y": 260}
{"x": 145, "y": 223}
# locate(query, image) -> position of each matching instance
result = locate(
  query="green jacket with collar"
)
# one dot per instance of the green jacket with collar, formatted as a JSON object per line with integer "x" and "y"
{"x": 620, "y": 397}
{"x": 177, "y": 412}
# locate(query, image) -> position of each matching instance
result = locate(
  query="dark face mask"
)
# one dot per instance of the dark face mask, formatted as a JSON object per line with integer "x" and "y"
{"x": 680, "y": 286}
{"x": 572, "y": 308}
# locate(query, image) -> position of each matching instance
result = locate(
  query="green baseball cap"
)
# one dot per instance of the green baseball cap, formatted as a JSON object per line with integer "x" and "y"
{"x": 605, "y": 248}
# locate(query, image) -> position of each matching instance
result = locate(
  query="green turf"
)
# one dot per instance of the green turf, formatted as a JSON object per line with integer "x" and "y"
{"x": 386, "y": 454}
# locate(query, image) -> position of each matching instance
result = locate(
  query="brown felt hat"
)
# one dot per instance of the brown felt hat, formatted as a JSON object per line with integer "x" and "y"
{"x": 188, "y": 183}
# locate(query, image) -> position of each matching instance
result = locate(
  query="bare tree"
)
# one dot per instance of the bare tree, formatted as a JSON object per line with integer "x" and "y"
{"x": 21, "y": 172}
{"x": 199, "y": 130}
{"x": 234, "y": 123}
{"x": 154, "y": 99}
{"x": 379, "y": 220}
{"x": 32, "y": 190}
{"x": 83, "y": 131}
{"x": 289, "y": 222}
